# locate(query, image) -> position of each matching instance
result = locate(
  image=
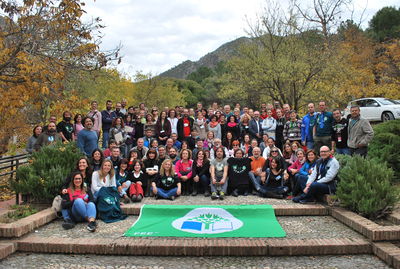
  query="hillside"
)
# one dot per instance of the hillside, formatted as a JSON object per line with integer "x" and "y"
{"x": 210, "y": 60}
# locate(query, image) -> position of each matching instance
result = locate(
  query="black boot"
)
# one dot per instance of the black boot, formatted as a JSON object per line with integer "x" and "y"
{"x": 195, "y": 188}
{"x": 270, "y": 194}
{"x": 184, "y": 188}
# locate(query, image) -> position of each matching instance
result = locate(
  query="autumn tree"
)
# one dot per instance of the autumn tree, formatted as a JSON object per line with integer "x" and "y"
{"x": 41, "y": 42}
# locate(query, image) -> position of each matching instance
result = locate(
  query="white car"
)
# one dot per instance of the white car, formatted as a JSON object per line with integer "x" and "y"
{"x": 376, "y": 108}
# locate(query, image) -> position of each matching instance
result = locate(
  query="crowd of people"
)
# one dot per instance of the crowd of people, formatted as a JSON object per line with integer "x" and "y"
{"x": 211, "y": 151}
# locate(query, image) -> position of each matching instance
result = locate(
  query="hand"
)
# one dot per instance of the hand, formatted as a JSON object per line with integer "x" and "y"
{"x": 293, "y": 171}
{"x": 140, "y": 182}
{"x": 178, "y": 191}
{"x": 361, "y": 145}
{"x": 184, "y": 178}
{"x": 303, "y": 143}
{"x": 305, "y": 189}
{"x": 285, "y": 176}
{"x": 154, "y": 188}
{"x": 196, "y": 179}
{"x": 64, "y": 191}
{"x": 222, "y": 182}
{"x": 214, "y": 181}
{"x": 262, "y": 180}
{"x": 120, "y": 188}
{"x": 124, "y": 185}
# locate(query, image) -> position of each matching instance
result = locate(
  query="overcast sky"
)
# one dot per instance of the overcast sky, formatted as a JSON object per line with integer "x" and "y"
{"x": 158, "y": 34}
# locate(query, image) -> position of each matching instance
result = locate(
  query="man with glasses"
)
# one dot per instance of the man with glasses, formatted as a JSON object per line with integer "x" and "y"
{"x": 322, "y": 179}
{"x": 257, "y": 164}
{"x": 255, "y": 128}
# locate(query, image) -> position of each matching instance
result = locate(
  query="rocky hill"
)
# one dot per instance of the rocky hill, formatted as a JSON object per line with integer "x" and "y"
{"x": 210, "y": 60}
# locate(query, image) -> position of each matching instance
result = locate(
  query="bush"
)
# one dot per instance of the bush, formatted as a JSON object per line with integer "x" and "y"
{"x": 365, "y": 187}
{"x": 386, "y": 144}
{"x": 43, "y": 177}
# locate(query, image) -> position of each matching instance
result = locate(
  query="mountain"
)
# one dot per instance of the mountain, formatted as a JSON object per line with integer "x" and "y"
{"x": 210, "y": 60}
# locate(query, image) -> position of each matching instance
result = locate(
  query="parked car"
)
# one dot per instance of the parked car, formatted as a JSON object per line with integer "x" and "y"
{"x": 376, "y": 108}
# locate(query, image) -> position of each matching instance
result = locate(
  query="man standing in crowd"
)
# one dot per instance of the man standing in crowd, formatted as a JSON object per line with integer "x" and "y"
{"x": 123, "y": 107}
{"x": 47, "y": 137}
{"x": 87, "y": 137}
{"x": 96, "y": 116}
{"x": 142, "y": 150}
{"x": 227, "y": 111}
{"x": 184, "y": 126}
{"x": 292, "y": 130}
{"x": 286, "y": 111}
{"x": 360, "y": 133}
{"x": 148, "y": 137}
{"x": 307, "y": 127}
{"x": 52, "y": 119}
{"x": 107, "y": 117}
{"x": 323, "y": 128}
{"x": 118, "y": 112}
{"x": 65, "y": 127}
{"x": 339, "y": 133}
{"x": 255, "y": 128}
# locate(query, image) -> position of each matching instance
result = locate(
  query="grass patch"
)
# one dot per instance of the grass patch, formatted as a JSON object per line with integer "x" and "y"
{"x": 21, "y": 211}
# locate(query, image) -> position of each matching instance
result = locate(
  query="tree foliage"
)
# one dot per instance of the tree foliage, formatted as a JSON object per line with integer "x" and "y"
{"x": 385, "y": 24}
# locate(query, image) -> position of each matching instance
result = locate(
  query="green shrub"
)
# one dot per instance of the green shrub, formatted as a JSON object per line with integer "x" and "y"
{"x": 46, "y": 171}
{"x": 365, "y": 187}
{"x": 386, "y": 144}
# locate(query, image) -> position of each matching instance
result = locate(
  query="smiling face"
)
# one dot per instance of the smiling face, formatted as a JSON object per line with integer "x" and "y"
{"x": 78, "y": 180}
{"x": 82, "y": 165}
{"x": 106, "y": 167}
{"x": 96, "y": 156}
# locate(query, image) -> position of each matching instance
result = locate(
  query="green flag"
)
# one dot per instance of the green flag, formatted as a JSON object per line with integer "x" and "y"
{"x": 206, "y": 221}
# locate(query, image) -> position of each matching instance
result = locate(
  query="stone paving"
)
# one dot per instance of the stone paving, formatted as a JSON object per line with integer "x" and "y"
{"x": 297, "y": 227}
{"x": 55, "y": 261}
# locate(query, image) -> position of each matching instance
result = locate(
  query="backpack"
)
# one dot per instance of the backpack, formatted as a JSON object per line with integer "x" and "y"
{"x": 108, "y": 205}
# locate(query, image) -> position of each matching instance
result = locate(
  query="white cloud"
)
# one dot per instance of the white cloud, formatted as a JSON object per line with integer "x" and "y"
{"x": 157, "y": 34}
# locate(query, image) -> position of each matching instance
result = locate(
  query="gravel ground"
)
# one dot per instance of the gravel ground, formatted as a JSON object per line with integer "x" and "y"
{"x": 54, "y": 261}
{"x": 296, "y": 227}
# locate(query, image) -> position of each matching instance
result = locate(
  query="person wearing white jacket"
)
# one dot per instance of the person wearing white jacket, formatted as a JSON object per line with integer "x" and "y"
{"x": 105, "y": 177}
{"x": 269, "y": 125}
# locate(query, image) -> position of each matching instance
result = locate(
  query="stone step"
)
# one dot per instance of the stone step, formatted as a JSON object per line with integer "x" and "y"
{"x": 195, "y": 246}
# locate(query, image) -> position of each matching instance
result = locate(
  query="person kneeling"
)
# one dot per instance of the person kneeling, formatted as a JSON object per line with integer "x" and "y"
{"x": 322, "y": 179}
{"x": 167, "y": 184}
{"x": 78, "y": 204}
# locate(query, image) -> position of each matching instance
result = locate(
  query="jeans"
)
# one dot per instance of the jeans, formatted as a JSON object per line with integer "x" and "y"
{"x": 345, "y": 151}
{"x": 359, "y": 151}
{"x": 264, "y": 188}
{"x": 317, "y": 189}
{"x": 80, "y": 211}
{"x": 123, "y": 191}
{"x": 320, "y": 141}
{"x": 219, "y": 187}
{"x": 166, "y": 193}
{"x": 256, "y": 180}
{"x": 301, "y": 181}
{"x": 310, "y": 145}
{"x": 204, "y": 182}
{"x": 106, "y": 136}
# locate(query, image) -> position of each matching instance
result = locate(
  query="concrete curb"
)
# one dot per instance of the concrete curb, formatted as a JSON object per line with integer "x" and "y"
{"x": 387, "y": 252}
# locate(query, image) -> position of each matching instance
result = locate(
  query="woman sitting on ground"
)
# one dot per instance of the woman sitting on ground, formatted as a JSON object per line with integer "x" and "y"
{"x": 151, "y": 168}
{"x": 183, "y": 169}
{"x": 219, "y": 174}
{"x": 201, "y": 173}
{"x": 105, "y": 177}
{"x": 123, "y": 182}
{"x": 238, "y": 172}
{"x": 274, "y": 180}
{"x": 137, "y": 177}
{"x": 296, "y": 166}
{"x": 166, "y": 185}
{"x": 83, "y": 166}
{"x": 288, "y": 154}
{"x": 306, "y": 170}
{"x": 78, "y": 204}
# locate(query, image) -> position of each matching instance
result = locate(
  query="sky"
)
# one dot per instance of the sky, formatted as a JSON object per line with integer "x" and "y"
{"x": 157, "y": 35}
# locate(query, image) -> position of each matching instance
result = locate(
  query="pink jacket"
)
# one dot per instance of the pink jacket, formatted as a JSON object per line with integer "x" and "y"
{"x": 184, "y": 169}
{"x": 296, "y": 165}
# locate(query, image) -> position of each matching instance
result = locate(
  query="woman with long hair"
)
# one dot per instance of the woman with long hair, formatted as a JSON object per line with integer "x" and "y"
{"x": 37, "y": 130}
{"x": 183, "y": 169}
{"x": 105, "y": 177}
{"x": 233, "y": 127}
{"x": 123, "y": 182}
{"x": 151, "y": 169}
{"x": 172, "y": 118}
{"x": 78, "y": 204}
{"x": 274, "y": 180}
{"x": 137, "y": 177}
{"x": 117, "y": 133}
{"x": 166, "y": 185}
{"x": 214, "y": 126}
{"x": 306, "y": 170}
{"x": 97, "y": 159}
{"x": 163, "y": 128}
{"x": 78, "y": 126}
{"x": 201, "y": 173}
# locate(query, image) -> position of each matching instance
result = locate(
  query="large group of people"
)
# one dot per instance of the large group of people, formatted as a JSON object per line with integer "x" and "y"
{"x": 214, "y": 151}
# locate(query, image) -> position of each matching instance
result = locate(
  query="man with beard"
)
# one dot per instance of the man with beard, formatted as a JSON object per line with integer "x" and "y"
{"x": 65, "y": 127}
{"x": 118, "y": 111}
{"x": 48, "y": 137}
{"x": 96, "y": 116}
{"x": 87, "y": 138}
{"x": 107, "y": 117}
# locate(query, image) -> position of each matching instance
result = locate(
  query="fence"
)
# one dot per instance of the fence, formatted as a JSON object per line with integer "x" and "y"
{"x": 9, "y": 166}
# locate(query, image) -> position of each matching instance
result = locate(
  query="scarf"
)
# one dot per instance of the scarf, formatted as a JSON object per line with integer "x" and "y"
{"x": 199, "y": 163}
{"x": 232, "y": 124}
{"x": 213, "y": 124}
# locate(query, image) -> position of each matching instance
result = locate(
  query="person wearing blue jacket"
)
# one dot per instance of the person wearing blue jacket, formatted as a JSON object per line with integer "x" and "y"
{"x": 307, "y": 127}
{"x": 302, "y": 176}
{"x": 322, "y": 179}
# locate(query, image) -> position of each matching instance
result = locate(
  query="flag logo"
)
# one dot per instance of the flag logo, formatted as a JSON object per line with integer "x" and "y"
{"x": 207, "y": 221}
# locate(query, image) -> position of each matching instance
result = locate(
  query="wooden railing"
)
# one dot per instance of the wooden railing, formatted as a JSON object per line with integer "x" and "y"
{"x": 9, "y": 166}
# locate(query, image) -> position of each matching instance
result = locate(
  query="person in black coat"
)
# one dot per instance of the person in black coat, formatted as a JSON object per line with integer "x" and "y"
{"x": 233, "y": 127}
{"x": 184, "y": 126}
{"x": 201, "y": 173}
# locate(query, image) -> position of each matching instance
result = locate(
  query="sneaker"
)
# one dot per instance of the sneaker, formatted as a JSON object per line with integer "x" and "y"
{"x": 68, "y": 224}
{"x": 235, "y": 193}
{"x": 214, "y": 196}
{"x": 298, "y": 198}
{"x": 245, "y": 193}
{"x": 307, "y": 201}
{"x": 139, "y": 198}
{"x": 290, "y": 197}
{"x": 92, "y": 226}
{"x": 221, "y": 195}
{"x": 172, "y": 198}
{"x": 207, "y": 193}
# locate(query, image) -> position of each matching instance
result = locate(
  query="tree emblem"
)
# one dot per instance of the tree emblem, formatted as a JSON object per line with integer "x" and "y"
{"x": 208, "y": 219}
